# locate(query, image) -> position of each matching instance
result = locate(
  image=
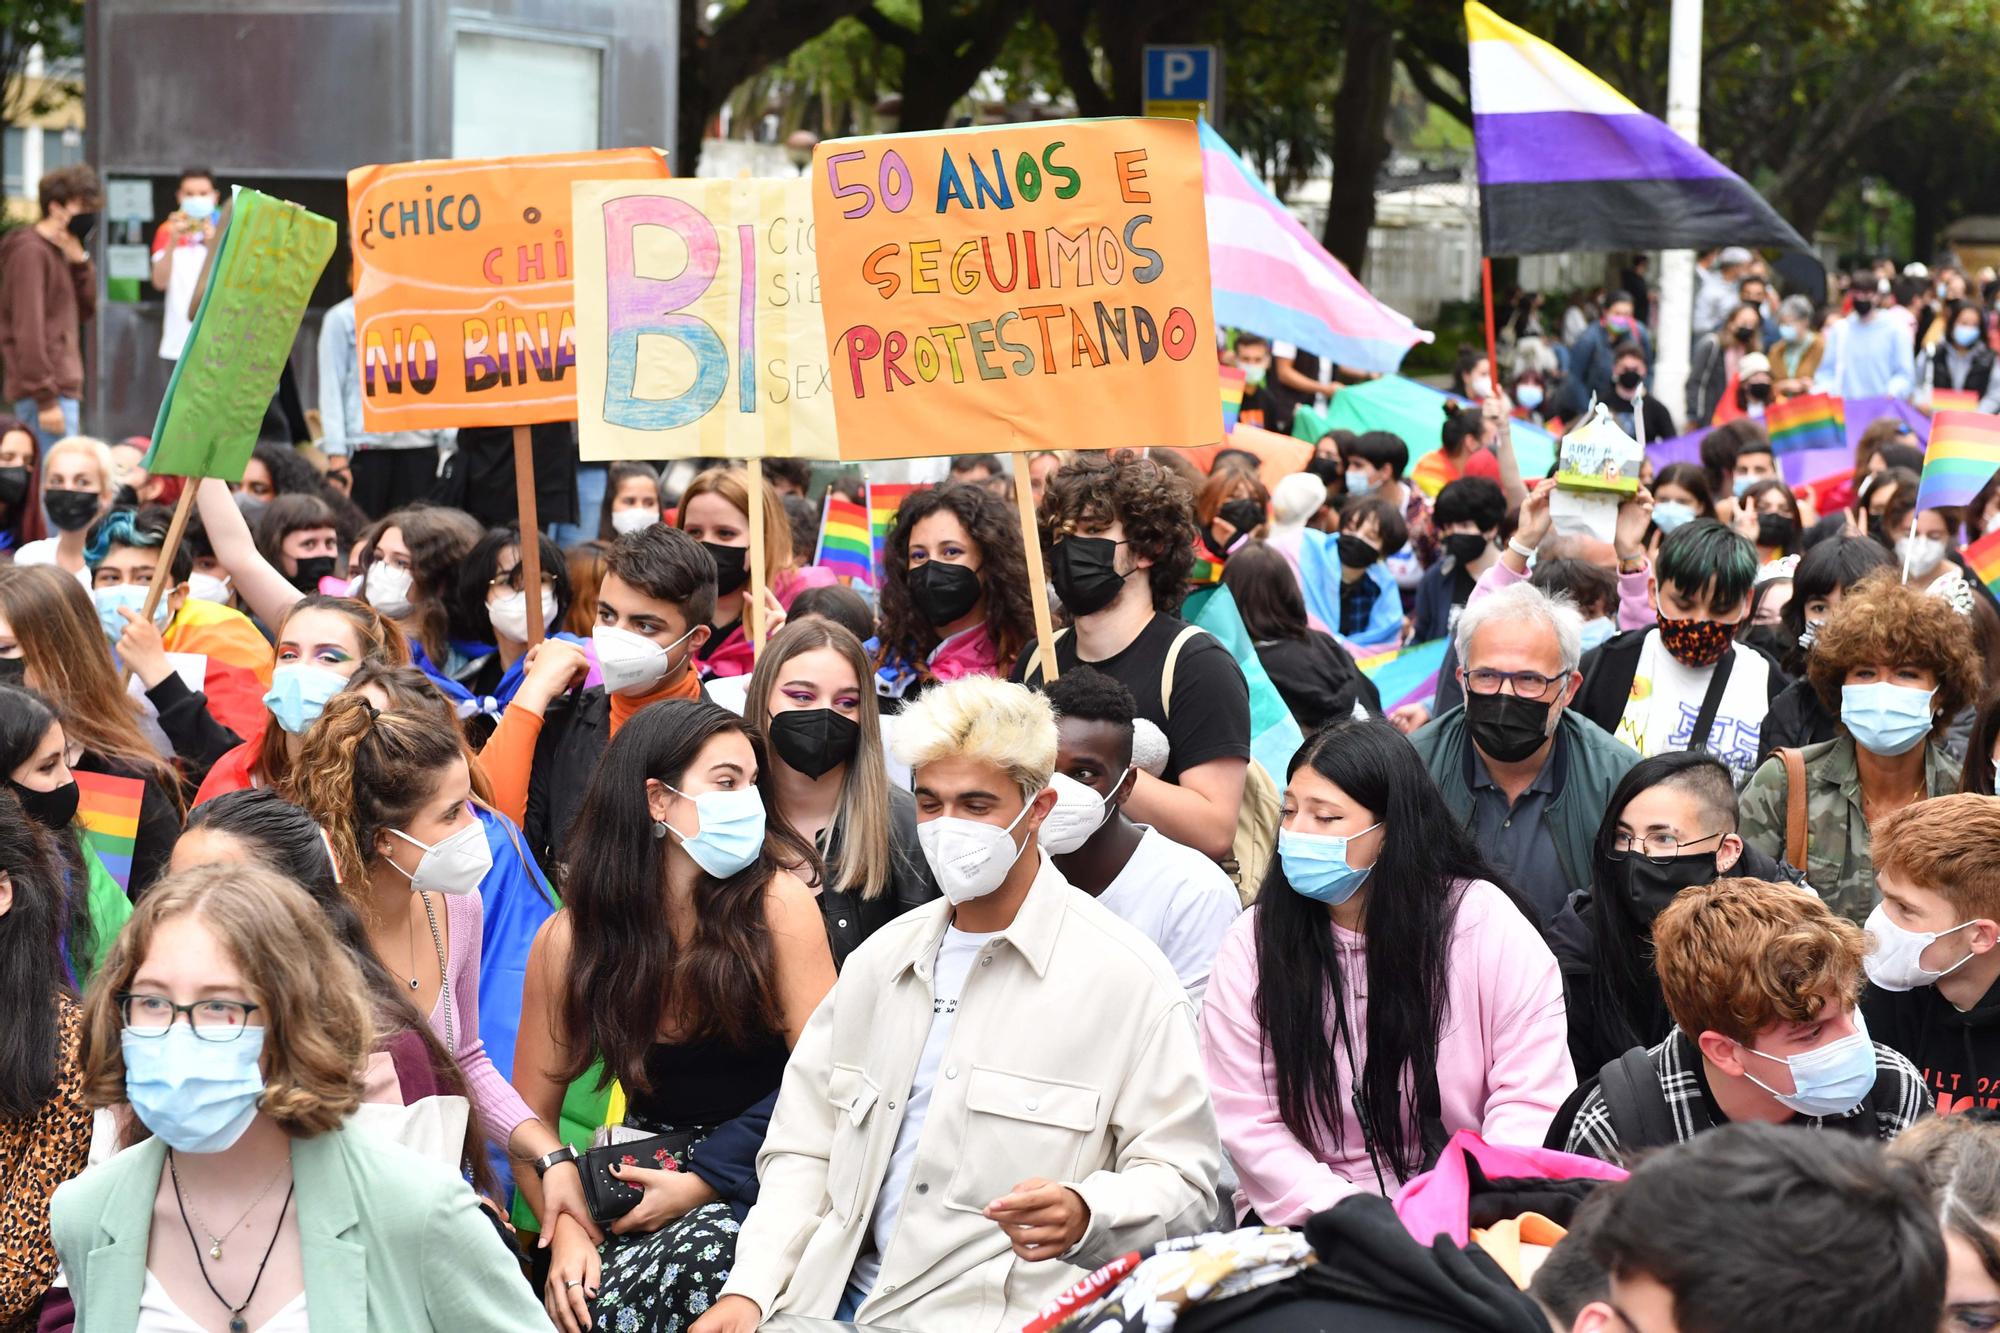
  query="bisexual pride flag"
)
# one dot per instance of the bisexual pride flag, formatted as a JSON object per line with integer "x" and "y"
{"x": 1809, "y": 421}
{"x": 1566, "y": 162}
{"x": 845, "y": 545}
{"x": 1962, "y": 457}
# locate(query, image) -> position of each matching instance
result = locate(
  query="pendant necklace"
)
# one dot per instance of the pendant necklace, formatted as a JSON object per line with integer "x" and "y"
{"x": 237, "y": 1323}
{"x": 215, "y": 1241}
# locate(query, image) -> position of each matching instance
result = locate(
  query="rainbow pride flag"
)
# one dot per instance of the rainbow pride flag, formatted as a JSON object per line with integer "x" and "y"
{"x": 884, "y": 499}
{"x": 1983, "y": 559}
{"x": 1206, "y": 573}
{"x": 1964, "y": 454}
{"x": 1953, "y": 400}
{"x": 845, "y": 544}
{"x": 1809, "y": 421}
{"x": 1433, "y": 473}
{"x": 1405, "y": 675}
{"x": 1232, "y": 397}
{"x": 107, "y": 809}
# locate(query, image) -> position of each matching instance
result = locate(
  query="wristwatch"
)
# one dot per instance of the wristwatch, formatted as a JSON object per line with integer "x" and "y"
{"x": 556, "y": 1158}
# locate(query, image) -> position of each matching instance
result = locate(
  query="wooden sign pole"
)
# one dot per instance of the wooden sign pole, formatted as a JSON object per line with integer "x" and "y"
{"x": 163, "y": 579}
{"x": 753, "y": 601}
{"x": 1038, "y": 579}
{"x": 531, "y": 532}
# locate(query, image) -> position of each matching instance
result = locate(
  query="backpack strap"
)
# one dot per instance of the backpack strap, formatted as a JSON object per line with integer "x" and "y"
{"x": 1167, "y": 668}
{"x": 1796, "y": 828}
{"x": 1638, "y": 1107}
{"x": 1031, "y": 676}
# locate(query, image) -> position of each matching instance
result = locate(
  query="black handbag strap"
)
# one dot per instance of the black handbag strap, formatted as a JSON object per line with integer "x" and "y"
{"x": 1711, "y": 702}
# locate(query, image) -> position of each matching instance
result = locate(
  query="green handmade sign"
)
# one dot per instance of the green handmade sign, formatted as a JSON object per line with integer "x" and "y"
{"x": 268, "y": 256}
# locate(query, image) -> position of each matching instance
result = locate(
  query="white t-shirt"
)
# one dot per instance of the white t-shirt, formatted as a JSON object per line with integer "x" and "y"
{"x": 956, "y": 952}
{"x": 1180, "y": 900}
{"x": 43, "y": 552}
{"x": 1666, "y": 699}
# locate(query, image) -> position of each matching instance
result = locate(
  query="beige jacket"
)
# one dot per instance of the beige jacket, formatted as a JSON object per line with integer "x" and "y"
{"x": 1074, "y": 1059}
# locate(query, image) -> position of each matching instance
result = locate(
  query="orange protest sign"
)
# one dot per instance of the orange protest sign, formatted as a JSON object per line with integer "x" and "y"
{"x": 463, "y": 292}
{"x": 1016, "y": 287}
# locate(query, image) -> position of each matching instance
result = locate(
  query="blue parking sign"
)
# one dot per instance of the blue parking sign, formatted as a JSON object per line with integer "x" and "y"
{"x": 1180, "y": 74}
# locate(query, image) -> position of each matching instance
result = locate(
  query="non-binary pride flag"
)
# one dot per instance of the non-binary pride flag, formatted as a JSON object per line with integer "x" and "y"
{"x": 1963, "y": 455}
{"x": 1809, "y": 421}
{"x": 845, "y": 544}
{"x": 1566, "y": 162}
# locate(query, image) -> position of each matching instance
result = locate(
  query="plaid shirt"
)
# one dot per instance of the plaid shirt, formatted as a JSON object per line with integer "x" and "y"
{"x": 1899, "y": 1095}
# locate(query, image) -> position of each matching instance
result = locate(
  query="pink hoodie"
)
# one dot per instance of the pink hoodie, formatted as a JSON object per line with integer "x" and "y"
{"x": 1635, "y": 597}
{"x": 1503, "y": 1060}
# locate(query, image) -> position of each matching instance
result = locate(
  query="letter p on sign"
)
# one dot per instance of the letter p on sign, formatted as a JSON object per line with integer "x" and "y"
{"x": 1182, "y": 81}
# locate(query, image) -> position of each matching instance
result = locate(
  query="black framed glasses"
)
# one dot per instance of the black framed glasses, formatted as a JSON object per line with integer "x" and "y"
{"x": 1658, "y": 847}
{"x": 516, "y": 580}
{"x": 211, "y": 1020}
{"x": 1527, "y": 684}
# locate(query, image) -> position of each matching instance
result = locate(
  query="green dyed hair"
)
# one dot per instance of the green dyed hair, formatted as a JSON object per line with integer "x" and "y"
{"x": 1707, "y": 556}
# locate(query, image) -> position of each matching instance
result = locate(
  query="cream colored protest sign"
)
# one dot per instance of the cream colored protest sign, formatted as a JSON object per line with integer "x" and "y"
{"x": 1017, "y": 287}
{"x": 698, "y": 321}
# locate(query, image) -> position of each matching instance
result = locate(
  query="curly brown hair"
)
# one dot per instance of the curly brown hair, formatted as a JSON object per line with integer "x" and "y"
{"x": 996, "y": 531}
{"x": 1883, "y": 620}
{"x": 1097, "y": 488}
{"x": 439, "y": 539}
{"x": 1741, "y": 954}
{"x": 318, "y": 1027}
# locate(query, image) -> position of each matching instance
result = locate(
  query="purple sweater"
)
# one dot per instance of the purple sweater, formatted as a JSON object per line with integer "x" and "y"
{"x": 501, "y": 1110}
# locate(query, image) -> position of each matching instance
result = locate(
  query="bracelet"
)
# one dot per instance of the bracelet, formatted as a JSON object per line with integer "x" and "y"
{"x": 563, "y": 1154}
{"x": 1525, "y": 552}
{"x": 1632, "y": 564}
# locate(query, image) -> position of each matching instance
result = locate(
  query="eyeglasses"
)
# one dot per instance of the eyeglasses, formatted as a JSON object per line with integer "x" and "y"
{"x": 515, "y": 580}
{"x": 210, "y": 1020}
{"x": 1657, "y": 847}
{"x": 1527, "y": 684}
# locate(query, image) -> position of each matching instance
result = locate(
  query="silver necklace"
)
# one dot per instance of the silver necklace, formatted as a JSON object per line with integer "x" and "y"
{"x": 444, "y": 980}
{"x": 215, "y": 1241}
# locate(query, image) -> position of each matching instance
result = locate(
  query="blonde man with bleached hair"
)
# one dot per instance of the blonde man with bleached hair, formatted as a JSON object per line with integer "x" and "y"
{"x": 1002, "y": 1092}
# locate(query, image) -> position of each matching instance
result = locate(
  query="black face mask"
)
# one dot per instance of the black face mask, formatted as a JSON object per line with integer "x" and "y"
{"x": 1648, "y": 887}
{"x": 1770, "y": 638}
{"x": 81, "y": 224}
{"x": 312, "y": 568}
{"x": 1085, "y": 572}
{"x": 1243, "y": 516}
{"x": 53, "y": 810}
{"x": 1505, "y": 726}
{"x": 1776, "y": 530}
{"x": 71, "y": 511}
{"x": 1757, "y": 392}
{"x": 13, "y": 670}
{"x": 1744, "y": 335}
{"x": 1862, "y": 305}
{"x": 13, "y": 485}
{"x": 1879, "y": 530}
{"x": 1356, "y": 553}
{"x": 1630, "y": 380}
{"x": 943, "y": 592}
{"x": 814, "y": 741}
{"x": 732, "y": 567}
{"x": 1465, "y": 547}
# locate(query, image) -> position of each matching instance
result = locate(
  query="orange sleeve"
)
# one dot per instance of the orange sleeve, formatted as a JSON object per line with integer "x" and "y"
{"x": 509, "y": 759}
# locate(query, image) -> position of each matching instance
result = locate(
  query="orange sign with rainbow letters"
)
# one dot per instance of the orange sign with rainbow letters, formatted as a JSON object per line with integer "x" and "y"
{"x": 1017, "y": 287}
{"x": 463, "y": 295}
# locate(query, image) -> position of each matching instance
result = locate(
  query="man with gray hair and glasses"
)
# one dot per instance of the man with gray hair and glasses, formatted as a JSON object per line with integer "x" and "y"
{"x": 1529, "y": 778}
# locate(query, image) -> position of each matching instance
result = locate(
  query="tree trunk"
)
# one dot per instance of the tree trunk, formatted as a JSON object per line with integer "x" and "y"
{"x": 712, "y": 64}
{"x": 1360, "y": 138}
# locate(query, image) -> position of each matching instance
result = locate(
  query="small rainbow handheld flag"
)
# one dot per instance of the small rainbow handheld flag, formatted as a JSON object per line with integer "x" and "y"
{"x": 1809, "y": 421}
{"x": 1964, "y": 454}
{"x": 1983, "y": 559}
{"x": 108, "y": 810}
{"x": 1232, "y": 397}
{"x": 884, "y": 499}
{"x": 845, "y": 546}
{"x": 1953, "y": 400}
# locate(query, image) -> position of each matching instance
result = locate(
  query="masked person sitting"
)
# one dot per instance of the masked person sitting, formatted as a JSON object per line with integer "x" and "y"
{"x": 1526, "y": 776}
{"x": 1002, "y": 1089}
{"x": 1896, "y": 665}
{"x": 1119, "y": 533}
{"x": 954, "y": 596}
{"x": 1935, "y": 958}
{"x": 1761, "y": 981}
{"x": 1685, "y": 684}
{"x": 1822, "y": 577}
{"x": 1371, "y": 608}
{"x": 1181, "y": 902}
{"x": 1468, "y": 516}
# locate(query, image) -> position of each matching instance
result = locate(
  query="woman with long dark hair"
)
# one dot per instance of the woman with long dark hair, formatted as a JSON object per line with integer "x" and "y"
{"x": 493, "y": 604}
{"x": 35, "y": 757}
{"x": 1382, "y": 993}
{"x": 21, "y": 519}
{"x": 44, "y": 1125}
{"x": 686, "y": 960}
{"x": 1315, "y": 676}
{"x": 954, "y": 598}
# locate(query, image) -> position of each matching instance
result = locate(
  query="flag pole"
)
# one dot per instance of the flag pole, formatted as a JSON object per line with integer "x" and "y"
{"x": 1486, "y": 285}
{"x": 1673, "y": 339}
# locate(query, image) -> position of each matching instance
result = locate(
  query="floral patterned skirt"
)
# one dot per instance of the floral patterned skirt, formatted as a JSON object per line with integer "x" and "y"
{"x": 663, "y": 1281}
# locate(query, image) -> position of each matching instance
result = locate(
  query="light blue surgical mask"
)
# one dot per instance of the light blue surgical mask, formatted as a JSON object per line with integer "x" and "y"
{"x": 131, "y": 596}
{"x": 1528, "y": 395}
{"x": 1743, "y": 483}
{"x": 1358, "y": 483}
{"x": 197, "y": 1096}
{"x": 731, "y": 834}
{"x": 1965, "y": 334}
{"x": 298, "y": 694}
{"x": 1316, "y": 865}
{"x": 1790, "y": 333}
{"x": 1670, "y": 514}
{"x": 1828, "y": 1079}
{"x": 1596, "y": 630}
{"x": 1886, "y": 719}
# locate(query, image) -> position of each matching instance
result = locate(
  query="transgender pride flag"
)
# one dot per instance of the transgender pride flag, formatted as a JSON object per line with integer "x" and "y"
{"x": 1271, "y": 276}
{"x": 1566, "y": 162}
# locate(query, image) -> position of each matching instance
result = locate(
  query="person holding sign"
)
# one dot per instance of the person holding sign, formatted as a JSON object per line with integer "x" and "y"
{"x": 715, "y": 511}
{"x": 954, "y": 597}
{"x": 1119, "y": 534}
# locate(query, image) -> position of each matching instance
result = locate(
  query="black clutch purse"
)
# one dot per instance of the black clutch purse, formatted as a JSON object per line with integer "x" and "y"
{"x": 610, "y": 1198}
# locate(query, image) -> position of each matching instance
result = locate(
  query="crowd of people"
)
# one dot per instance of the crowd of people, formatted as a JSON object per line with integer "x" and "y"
{"x": 392, "y": 944}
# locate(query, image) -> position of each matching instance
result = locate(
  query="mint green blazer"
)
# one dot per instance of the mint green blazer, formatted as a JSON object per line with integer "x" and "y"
{"x": 392, "y": 1242}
